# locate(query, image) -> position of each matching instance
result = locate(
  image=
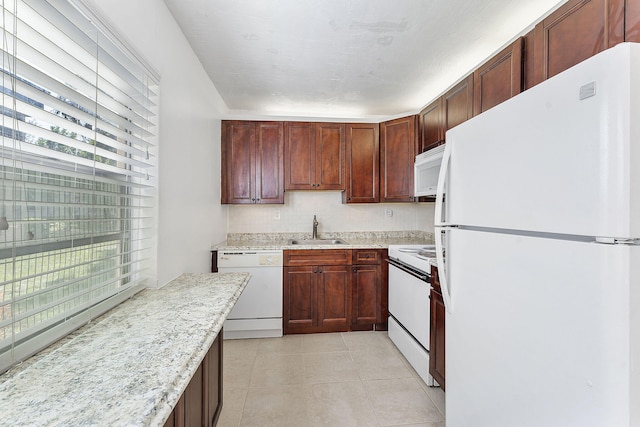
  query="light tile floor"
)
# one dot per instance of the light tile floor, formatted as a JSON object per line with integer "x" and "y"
{"x": 339, "y": 379}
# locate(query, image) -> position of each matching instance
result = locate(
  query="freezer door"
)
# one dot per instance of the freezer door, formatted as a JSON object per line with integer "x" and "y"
{"x": 543, "y": 332}
{"x": 549, "y": 161}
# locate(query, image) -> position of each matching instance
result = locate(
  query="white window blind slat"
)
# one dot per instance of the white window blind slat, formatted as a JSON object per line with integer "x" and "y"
{"x": 129, "y": 142}
{"x": 37, "y": 35}
{"x": 59, "y": 19}
{"x": 71, "y": 172}
{"x": 42, "y": 123}
{"x": 71, "y": 159}
{"x": 29, "y": 73}
{"x": 77, "y": 172}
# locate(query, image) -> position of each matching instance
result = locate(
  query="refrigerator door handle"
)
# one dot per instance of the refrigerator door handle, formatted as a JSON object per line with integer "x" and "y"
{"x": 440, "y": 231}
{"x": 442, "y": 273}
{"x": 444, "y": 167}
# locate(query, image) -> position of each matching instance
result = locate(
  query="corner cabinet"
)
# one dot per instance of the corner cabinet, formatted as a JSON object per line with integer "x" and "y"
{"x": 314, "y": 156}
{"x": 397, "y": 155}
{"x": 252, "y": 162}
{"x": 362, "y": 172}
{"x": 201, "y": 402}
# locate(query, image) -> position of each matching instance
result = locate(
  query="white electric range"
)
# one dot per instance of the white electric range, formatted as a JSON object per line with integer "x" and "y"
{"x": 409, "y": 305}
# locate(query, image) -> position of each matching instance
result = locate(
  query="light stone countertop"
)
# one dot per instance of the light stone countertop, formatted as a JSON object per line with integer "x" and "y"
{"x": 354, "y": 240}
{"x": 128, "y": 367}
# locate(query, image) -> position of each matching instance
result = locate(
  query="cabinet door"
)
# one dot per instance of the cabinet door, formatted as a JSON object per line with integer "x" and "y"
{"x": 213, "y": 365}
{"x": 194, "y": 402}
{"x": 364, "y": 299}
{"x": 498, "y": 79}
{"x": 437, "y": 339}
{"x": 269, "y": 170}
{"x": 300, "y": 155}
{"x": 333, "y": 298}
{"x": 238, "y": 162}
{"x": 576, "y": 31}
{"x": 458, "y": 103}
{"x": 437, "y": 331}
{"x": 299, "y": 299}
{"x": 632, "y": 21}
{"x": 397, "y": 155}
{"x": 330, "y": 156}
{"x": 431, "y": 126}
{"x": 363, "y": 161}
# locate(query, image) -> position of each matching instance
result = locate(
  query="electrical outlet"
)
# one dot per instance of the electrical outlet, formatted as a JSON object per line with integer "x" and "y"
{"x": 388, "y": 212}
{"x": 276, "y": 214}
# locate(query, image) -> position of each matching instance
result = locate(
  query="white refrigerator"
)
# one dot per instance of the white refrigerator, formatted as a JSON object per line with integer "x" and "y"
{"x": 541, "y": 266}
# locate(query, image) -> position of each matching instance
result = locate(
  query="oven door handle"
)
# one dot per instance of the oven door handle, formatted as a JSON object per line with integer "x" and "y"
{"x": 402, "y": 267}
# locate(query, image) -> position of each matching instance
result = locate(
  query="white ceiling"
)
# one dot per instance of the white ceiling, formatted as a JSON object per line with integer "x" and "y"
{"x": 346, "y": 58}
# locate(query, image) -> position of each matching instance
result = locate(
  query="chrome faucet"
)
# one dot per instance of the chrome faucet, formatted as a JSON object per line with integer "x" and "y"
{"x": 314, "y": 235}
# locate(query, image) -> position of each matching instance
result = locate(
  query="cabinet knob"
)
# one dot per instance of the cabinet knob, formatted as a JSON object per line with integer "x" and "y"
{"x": 355, "y": 270}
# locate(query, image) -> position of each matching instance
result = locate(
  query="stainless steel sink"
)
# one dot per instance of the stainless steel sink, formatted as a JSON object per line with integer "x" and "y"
{"x": 317, "y": 242}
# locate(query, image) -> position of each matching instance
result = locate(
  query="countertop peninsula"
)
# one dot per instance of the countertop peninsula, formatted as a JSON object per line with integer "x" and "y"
{"x": 128, "y": 367}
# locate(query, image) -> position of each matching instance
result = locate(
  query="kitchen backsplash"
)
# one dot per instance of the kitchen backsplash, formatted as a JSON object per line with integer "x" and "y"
{"x": 296, "y": 215}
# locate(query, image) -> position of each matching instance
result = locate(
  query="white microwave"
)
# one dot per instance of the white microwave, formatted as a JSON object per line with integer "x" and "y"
{"x": 426, "y": 170}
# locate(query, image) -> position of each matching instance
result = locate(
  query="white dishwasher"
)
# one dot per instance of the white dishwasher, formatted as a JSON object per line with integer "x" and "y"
{"x": 258, "y": 312}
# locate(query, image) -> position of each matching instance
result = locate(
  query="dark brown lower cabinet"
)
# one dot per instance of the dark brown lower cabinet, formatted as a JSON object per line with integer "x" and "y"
{"x": 334, "y": 290}
{"x": 364, "y": 297}
{"x": 201, "y": 402}
{"x": 437, "y": 334}
{"x": 369, "y": 290}
{"x": 316, "y": 299}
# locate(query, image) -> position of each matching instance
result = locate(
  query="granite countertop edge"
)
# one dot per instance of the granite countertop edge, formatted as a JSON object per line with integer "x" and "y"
{"x": 353, "y": 240}
{"x": 128, "y": 367}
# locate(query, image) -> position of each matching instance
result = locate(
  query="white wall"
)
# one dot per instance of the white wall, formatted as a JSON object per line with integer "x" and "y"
{"x": 296, "y": 215}
{"x": 190, "y": 215}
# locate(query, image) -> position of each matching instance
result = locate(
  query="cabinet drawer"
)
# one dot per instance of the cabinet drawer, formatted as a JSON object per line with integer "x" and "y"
{"x": 367, "y": 256}
{"x": 317, "y": 257}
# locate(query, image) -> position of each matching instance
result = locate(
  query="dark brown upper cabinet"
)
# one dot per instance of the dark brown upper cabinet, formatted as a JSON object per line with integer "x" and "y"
{"x": 498, "y": 79}
{"x": 397, "y": 155}
{"x": 252, "y": 162}
{"x": 458, "y": 103}
{"x": 632, "y": 21}
{"x": 431, "y": 125}
{"x": 362, "y": 163}
{"x": 576, "y": 31}
{"x": 447, "y": 111}
{"x": 314, "y": 156}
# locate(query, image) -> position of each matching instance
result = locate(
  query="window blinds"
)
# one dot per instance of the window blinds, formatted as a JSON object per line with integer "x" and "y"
{"x": 77, "y": 172}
